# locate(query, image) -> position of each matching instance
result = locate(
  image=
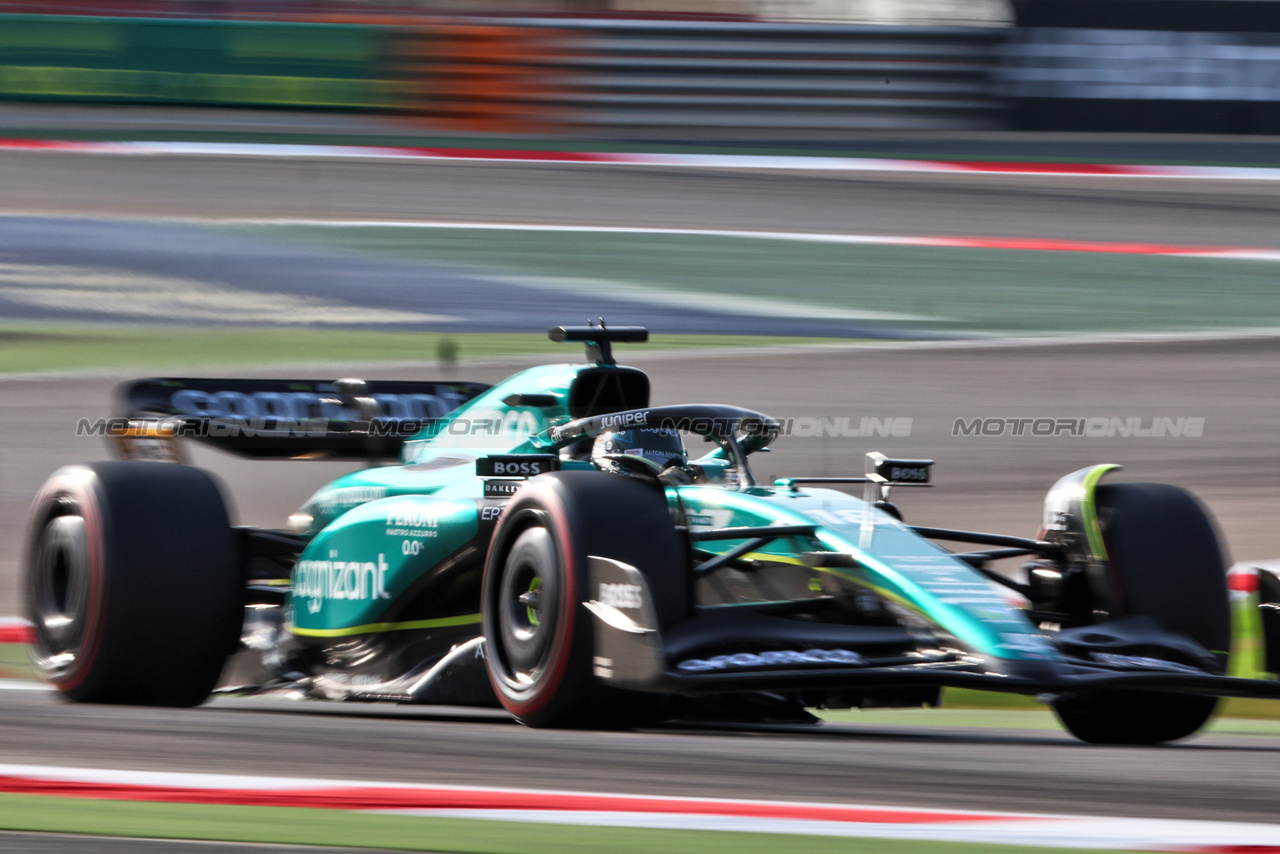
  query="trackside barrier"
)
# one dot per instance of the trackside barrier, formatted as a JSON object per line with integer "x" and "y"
{"x": 609, "y": 77}
{"x": 484, "y": 77}
{"x": 1169, "y": 66}
{"x": 645, "y": 77}
{"x": 168, "y": 61}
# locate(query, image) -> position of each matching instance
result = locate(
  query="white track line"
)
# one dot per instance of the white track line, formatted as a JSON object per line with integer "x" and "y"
{"x": 23, "y": 685}
{"x": 706, "y": 814}
{"x": 1049, "y": 832}
{"x": 694, "y": 161}
{"x": 1238, "y": 253}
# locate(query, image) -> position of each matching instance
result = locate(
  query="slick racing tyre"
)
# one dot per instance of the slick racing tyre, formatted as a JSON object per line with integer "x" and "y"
{"x": 132, "y": 583}
{"x": 538, "y": 633}
{"x": 1165, "y": 562}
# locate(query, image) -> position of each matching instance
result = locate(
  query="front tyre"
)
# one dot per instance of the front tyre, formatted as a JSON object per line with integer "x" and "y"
{"x": 133, "y": 584}
{"x": 527, "y": 611}
{"x": 539, "y": 636}
{"x": 1165, "y": 562}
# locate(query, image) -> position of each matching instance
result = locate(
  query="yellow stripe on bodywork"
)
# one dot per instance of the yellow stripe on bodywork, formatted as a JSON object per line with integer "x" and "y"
{"x": 767, "y": 557}
{"x": 373, "y": 628}
{"x": 1089, "y": 509}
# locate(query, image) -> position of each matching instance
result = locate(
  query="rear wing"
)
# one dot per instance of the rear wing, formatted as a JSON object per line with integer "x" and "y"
{"x": 346, "y": 419}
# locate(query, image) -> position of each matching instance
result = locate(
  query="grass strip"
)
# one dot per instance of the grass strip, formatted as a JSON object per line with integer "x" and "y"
{"x": 987, "y": 718}
{"x": 1239, "y": 717}
{"x": 290, "y": 826}
{"x": 14, "y": 662}
{"x": 957, "y": 290}
{"x": 45, "y": 347}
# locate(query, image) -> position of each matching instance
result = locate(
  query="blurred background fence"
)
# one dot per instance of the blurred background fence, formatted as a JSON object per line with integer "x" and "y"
{"x": 637, "y": 78}
{"x": 610, "y": 76}
{"x": 1207, "y": 65}
{"x": 189, "y": 61}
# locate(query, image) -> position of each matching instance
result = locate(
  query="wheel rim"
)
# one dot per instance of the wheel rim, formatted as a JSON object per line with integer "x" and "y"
{"x": 526, "y": 607}
{"x": 60, "y": 592}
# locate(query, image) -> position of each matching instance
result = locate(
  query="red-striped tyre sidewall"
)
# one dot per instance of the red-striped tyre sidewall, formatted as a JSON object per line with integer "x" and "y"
{"x": 516, "y": 518}
{"x": 78, "y": 484}
{"x": 584, "y": 513}
{"x": 163, "y": 597}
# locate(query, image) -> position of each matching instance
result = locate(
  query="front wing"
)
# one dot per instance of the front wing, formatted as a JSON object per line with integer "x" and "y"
{"x": 632, "y": 652}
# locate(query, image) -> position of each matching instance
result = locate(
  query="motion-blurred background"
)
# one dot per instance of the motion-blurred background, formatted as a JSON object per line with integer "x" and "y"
{"x": 828, "y": 209}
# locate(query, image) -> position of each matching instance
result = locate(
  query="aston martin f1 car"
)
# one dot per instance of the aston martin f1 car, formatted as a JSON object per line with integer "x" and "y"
{"x": 548, "y": 546}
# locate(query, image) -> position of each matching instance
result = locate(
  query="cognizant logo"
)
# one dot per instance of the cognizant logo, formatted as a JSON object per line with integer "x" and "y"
{"x": 317, "y": 580}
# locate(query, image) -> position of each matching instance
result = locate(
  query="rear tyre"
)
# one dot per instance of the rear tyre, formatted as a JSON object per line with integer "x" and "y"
{"x": 538, "y": 634}
{"x": 133, "y": 583}
{"x": 1166, "y": 563}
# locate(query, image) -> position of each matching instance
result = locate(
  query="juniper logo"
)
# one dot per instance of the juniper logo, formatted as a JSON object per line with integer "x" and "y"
{"x": 1095, "y": 427}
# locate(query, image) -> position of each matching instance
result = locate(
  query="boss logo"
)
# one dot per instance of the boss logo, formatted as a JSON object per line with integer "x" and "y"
{"x": 620, "y": 595}
{"x": 901, "y": 471}
{"x": 517, "y": 465}
{"x": 517, "y": 468}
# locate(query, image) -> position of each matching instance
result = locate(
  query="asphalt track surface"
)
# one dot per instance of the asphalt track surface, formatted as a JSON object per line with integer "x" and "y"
{"x": 1197, "y": 212}
{"x": 994, "y": 483}
{"x": 234, "y": 271}
{"x": 1020, "y": 770}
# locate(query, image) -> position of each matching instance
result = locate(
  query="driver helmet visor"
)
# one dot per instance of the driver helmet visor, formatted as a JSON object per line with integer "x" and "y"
{"x": 660, "y": 445}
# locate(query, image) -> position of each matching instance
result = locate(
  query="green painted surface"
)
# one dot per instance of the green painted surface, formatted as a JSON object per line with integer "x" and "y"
{"x": 492, "y": 426}
{"x": 891, "y": 559}
{"x": 363, "y": 564}
{"x": 14, "y": 662}
{"x": 463, "y": 836}
{"x": 1008, "y": 718}
{"x": 376, "y": 628}
{"x": 154, "y": 349}
{"x": 966, "y": 290}
{"x": 1035, "y": 716}
{"x": 140, "y": 60}
{"x": 1246, "y": 645}
{"x": 1089, "y": 509}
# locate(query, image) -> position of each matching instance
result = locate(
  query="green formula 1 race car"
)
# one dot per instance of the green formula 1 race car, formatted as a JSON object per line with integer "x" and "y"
{"x": 547, "y": 545}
